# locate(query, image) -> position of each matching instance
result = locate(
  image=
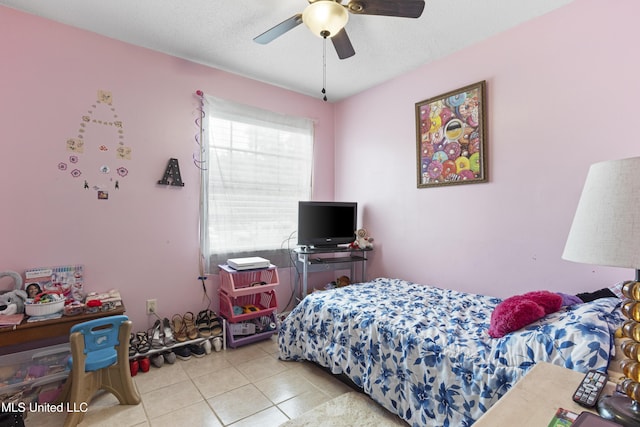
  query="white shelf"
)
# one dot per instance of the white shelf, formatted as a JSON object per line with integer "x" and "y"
{"x": 187, "y": 342}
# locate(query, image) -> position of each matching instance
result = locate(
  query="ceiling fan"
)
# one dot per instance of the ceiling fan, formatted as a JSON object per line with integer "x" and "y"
{"x": 327, "y": 18}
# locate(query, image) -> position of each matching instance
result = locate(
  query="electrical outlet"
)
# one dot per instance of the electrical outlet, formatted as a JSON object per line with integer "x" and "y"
{"x": 152, "y": 306}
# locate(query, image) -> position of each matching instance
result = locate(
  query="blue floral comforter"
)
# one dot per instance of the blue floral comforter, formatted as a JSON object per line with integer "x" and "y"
{"x": 424, "y": 353}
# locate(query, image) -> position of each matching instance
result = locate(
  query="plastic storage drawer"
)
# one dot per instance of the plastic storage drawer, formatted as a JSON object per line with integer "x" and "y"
{"x": 265, "y": 302}
{"x": 234, "y": 341}
{"x": 30, "y": 376}
{"x": 238, "y": 283}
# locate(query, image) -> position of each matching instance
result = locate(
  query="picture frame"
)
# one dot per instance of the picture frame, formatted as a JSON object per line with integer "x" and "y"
{"x": 451, "y": 138}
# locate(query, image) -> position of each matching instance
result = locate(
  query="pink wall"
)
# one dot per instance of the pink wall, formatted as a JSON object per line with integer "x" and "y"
{"x": 562, "y": 93}
{"x": 144, "y": 239}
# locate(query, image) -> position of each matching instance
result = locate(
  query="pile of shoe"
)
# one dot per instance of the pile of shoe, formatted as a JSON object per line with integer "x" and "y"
{"x": 169, "y": 335}
{"x": 188, "y": 327}
{"x": 184, "y": 352}
{"x": 158, "y": 337}
{"x": 143, "y": 363}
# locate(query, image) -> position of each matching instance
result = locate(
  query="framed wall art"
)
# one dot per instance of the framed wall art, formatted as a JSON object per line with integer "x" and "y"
{"x": 451, "y": 138}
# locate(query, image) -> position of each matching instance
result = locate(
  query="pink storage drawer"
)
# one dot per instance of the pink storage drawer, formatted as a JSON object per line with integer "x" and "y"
{"x": 265, "y": 302}
{"x": 237, "y": 283}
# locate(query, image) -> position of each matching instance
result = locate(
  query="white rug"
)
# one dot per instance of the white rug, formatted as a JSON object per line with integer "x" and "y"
{"x": 348, "y": 410}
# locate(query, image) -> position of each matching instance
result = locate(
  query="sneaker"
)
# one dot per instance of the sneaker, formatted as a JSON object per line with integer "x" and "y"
{"x": 157, "y": 360}
{"x": 169, "y": 357}
{"x": 182, "y": 352}
{"x": 217, "y": 344}
{"x": 196, "y": 350}
{"x": 206, "y": 345}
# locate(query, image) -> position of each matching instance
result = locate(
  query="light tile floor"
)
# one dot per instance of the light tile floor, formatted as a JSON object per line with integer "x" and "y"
{"x": 241, "y": 387}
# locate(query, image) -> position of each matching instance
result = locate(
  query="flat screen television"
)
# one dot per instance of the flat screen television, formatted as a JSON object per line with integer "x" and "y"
{"x": 326, "y": 224}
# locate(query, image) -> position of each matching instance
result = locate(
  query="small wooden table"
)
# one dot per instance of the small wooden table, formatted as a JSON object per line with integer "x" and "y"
{"x": 534, "y": 400}
{"x": 27, "y": 332}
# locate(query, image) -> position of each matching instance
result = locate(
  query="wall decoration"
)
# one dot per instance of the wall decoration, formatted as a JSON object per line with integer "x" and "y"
{"x": 450, "y": 138}
{"x": 172, "y": 174}
{"x": 75, "y": 144}
{"x": 123, "y": 153}
{"x": 199, "y": 159}
{"x": 98, "y": 151}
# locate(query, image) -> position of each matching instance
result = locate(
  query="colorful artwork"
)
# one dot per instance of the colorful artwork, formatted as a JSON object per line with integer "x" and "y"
{"x": 450, "y": 133}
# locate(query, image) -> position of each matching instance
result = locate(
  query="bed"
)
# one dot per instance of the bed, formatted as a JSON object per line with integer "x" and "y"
{"x": 424, "y": 353}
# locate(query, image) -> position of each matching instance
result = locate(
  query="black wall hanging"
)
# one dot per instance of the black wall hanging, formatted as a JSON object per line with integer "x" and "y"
{"x": 172, "y": 174}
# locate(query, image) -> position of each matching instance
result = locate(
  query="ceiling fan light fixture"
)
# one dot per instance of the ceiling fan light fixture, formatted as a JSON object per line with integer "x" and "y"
{"x": 325, "y": 18}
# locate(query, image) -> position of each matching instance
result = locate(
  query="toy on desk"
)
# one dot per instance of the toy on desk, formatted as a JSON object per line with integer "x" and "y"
{"x": 12, "y": 302}
{"x": 93, "y": 306}
{"x": 363, "y": 241}
{"x": 17, "y": 279}
{"x": 73, "y": 308}
{"x": 46, "y": 297}
{"x": 107, "y": 301}
{"x": 44, "y": 304}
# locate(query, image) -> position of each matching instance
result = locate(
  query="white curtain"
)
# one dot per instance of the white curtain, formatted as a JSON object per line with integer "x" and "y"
{"x": 258, "y": 165}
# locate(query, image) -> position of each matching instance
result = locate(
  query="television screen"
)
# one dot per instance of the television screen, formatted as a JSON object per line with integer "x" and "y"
{"x": 326, "y": 223}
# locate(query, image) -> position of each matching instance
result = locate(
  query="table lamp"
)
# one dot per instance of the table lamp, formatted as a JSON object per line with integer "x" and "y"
{"x": 606, "y": 231}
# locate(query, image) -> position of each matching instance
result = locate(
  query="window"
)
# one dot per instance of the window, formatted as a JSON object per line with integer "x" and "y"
{"x": 257, "y": 167}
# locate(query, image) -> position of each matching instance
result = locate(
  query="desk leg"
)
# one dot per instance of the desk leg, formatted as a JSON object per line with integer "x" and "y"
{"x": 305, "y": 275}
{"x": 364, "y": 270}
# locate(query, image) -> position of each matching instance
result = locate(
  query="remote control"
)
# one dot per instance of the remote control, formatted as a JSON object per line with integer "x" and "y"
{"x": 590, "y": 388}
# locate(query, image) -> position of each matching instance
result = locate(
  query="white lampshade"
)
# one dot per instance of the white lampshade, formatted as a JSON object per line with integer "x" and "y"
{"x": 606, "y": 226}
{"x": 325, "y": 18}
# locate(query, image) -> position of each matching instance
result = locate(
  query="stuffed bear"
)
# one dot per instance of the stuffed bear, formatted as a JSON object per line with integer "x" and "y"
{"x": 343, "y": 281}
{"x": 12, "y": 302}
{"x": 362, "y": 240}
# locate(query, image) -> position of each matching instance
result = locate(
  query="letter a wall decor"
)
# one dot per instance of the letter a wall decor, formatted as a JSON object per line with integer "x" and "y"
{"x": 172, "y": 174}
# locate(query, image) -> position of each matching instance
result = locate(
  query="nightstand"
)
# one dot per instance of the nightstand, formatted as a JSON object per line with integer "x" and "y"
{"x": 534, "y": 400}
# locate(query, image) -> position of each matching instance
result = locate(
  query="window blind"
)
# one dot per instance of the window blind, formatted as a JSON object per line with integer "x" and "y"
{"x": 258, "y": 166}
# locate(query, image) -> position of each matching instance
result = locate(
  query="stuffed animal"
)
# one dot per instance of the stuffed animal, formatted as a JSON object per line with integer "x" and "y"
{"x": 343, "y": 281}
{"x": 17, "y": 279}
{"x": 12, "y": 302}
{"x": 362, "y": 240}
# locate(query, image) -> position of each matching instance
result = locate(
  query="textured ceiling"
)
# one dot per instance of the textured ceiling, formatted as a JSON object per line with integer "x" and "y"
{"x": 220, "y": 34}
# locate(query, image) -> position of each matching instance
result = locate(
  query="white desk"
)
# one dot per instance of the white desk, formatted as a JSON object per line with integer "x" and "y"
{"x": 534, "y": 400}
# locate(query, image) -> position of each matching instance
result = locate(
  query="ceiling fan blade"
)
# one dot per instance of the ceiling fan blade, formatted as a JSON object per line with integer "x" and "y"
{"x": 343, "y": 45}
{"x": 275, "y": 32}
{"x": 399, "y": 8}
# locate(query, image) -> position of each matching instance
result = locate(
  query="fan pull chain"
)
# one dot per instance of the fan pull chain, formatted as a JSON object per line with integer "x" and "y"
{"x": 324, "y": 66}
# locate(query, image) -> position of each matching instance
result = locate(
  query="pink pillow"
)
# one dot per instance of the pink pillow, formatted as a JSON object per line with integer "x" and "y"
{"x": 520, "y": 310}
{"x": 550, "y": 301}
